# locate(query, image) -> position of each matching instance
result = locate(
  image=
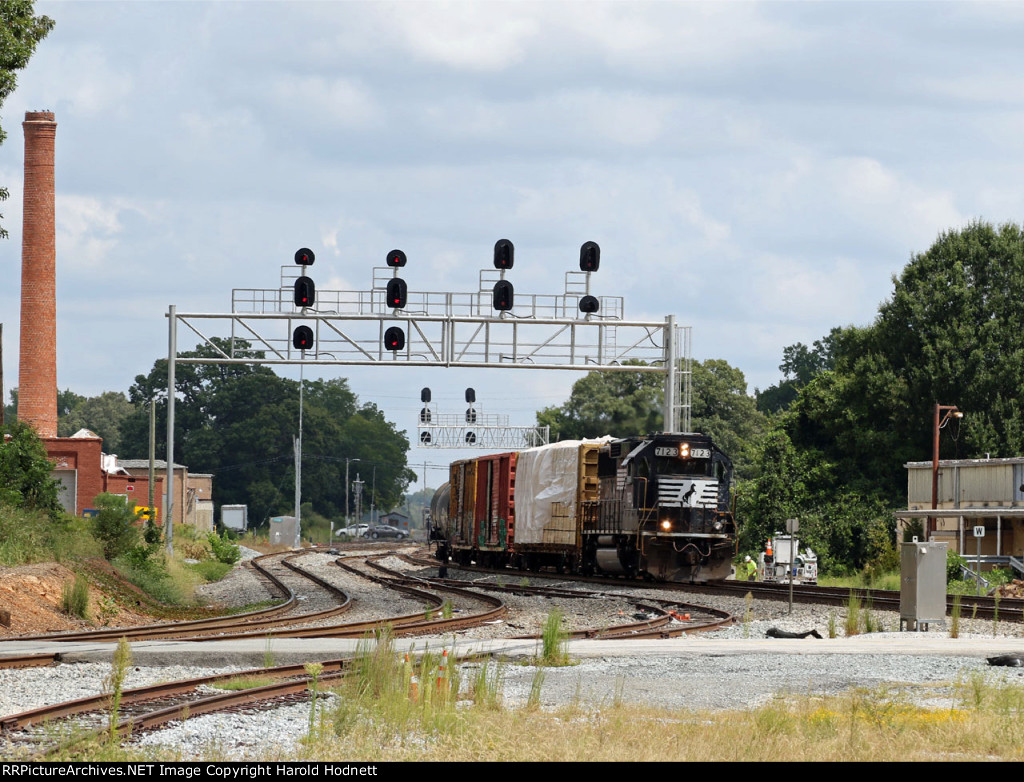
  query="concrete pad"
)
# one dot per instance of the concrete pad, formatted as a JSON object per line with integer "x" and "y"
{"x": 252, "y": 653}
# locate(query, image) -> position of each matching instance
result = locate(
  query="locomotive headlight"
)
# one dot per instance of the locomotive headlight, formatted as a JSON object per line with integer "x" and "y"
{"x": 666, "y": 525}
{"x": 717, "y": 526}
{"x": 684, "y": 450}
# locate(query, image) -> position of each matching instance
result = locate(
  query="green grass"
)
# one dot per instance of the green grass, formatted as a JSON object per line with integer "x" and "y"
{"x": 74, "y": 599}
{"x": 210, "y": 569}
{"x": 243, "y": 683}
{"x": 554, "y": 640}
{"x": 28, "y": 536}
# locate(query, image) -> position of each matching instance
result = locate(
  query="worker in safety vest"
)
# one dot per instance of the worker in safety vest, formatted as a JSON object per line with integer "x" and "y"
{"x": 749, "y": 569}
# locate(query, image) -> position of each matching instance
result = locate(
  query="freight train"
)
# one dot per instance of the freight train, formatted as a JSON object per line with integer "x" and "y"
{"x": 655, "y": 507}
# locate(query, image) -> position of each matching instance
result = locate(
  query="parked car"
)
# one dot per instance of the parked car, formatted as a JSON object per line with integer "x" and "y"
{"x": 384, "y": 531}
{"x": 354, "y": 531}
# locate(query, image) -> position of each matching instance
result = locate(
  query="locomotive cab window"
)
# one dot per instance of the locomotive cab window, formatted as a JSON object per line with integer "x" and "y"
{"x": 669, "y": 465}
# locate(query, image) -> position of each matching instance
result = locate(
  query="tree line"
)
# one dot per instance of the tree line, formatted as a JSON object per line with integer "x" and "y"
{"x": 238, "y": 422}
{"x": 828, "y": 443}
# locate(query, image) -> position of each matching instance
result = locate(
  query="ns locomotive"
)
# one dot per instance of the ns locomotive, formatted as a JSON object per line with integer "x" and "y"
{"x": 655, "y": 507}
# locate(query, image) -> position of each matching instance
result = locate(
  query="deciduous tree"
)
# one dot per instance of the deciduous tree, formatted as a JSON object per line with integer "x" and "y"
{"x": 20, "y": 33}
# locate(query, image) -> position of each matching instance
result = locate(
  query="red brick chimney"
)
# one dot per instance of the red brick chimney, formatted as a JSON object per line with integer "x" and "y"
{"x": 37, "y": 368}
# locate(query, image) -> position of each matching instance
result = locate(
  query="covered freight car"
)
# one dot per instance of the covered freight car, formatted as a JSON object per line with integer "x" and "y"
{"x": 654, "y": 506}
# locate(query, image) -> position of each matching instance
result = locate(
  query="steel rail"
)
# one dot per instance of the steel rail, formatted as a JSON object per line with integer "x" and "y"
{"x": 30, "y": 660}
{"x": 41, "y": 714}
{"x": 156, "y": 630}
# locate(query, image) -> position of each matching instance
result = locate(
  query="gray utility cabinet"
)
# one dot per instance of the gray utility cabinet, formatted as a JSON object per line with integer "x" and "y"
{"x": 922, "y": 584}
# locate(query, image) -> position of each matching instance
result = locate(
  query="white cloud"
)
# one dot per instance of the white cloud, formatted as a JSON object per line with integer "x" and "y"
{"x": 315, "y": 99}
{"x": 467, "y": 36}
{"x": 87, "y": 230}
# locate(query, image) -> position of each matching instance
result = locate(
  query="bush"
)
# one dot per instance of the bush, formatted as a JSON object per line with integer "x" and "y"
{"x": 115, "y": 525}
{"x": 224, "y": 551}
{"x": 954, "y": 563}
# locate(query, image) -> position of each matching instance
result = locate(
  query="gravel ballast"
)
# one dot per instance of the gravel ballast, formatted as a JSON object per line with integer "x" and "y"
{"x": 733, "y": 668}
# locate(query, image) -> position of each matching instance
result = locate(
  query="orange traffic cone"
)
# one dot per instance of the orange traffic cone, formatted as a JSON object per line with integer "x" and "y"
{"x": 442, "y": 671}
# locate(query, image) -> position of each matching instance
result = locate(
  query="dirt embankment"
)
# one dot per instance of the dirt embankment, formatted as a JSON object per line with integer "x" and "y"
{"x": 31, "y": 595}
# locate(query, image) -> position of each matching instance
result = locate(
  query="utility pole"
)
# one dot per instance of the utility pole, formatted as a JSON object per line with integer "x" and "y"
{"x": 298, "y": 470}
{"x": 152, "y": 460}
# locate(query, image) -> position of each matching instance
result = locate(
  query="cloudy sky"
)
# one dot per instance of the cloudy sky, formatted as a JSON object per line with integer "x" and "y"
{"x": 758, "y": 170}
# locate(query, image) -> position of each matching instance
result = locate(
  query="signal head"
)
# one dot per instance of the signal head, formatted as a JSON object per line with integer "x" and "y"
{"x": 305, "y": 292}
{"x": 394, "y": 339}
{"x": 503, "y": 295}
{"x": 304, "y": 256}
{"x": 589, "y": 304}
{"x": 396, "y": 258}
{"x": 504, "y": 253}
{"x": 425, "y": 396}
{"x": 590, "y": 257}
{"x": 397, "y": 293}
{"x": 302, "y": 338}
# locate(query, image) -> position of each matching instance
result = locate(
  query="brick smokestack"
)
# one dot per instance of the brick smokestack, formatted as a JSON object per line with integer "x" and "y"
{"x": 37, "y": 367}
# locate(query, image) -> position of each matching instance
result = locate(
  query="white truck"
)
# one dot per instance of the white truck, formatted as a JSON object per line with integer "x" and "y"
{"x": 782, "y": 556}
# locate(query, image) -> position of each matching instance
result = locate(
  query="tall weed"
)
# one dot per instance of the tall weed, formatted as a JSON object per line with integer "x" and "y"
{"x": 74, "y": 599}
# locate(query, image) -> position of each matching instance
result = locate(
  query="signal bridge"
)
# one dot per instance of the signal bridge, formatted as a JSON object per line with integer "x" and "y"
{"x": 386, "y": 326}
{"x": 450, "y": 329}
{"x": 476, "y": 430}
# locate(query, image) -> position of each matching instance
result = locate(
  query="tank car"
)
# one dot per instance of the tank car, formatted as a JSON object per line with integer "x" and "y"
{"x": 655, "y": 506}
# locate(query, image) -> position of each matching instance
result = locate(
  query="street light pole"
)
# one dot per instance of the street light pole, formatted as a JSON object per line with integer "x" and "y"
{"x": 941, "y": 420}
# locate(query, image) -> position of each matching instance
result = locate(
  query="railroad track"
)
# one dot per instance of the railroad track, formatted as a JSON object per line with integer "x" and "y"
{"x": 983, "y": 607}
{"x": 31, "y": 733}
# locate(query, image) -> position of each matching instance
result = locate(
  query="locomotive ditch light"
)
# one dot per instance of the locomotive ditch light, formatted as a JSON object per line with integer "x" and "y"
{"x": 666, "y": 525}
